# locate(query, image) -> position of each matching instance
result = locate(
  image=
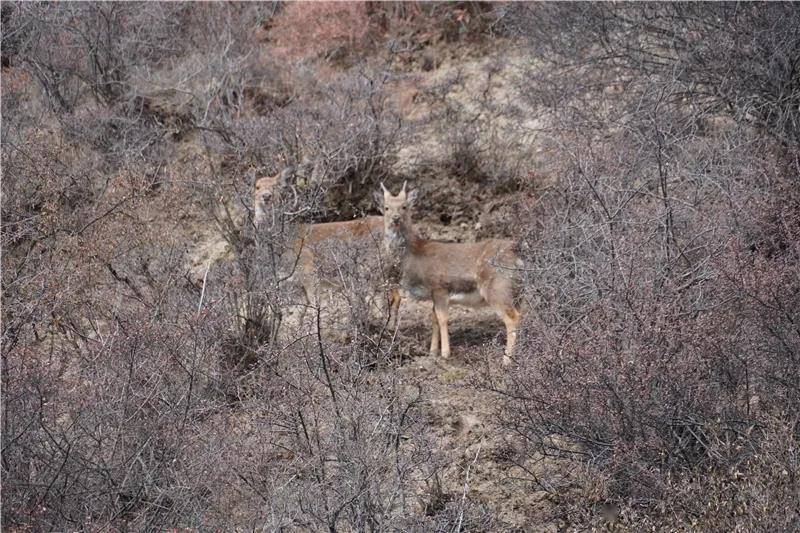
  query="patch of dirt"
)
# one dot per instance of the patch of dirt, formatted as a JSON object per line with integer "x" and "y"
{"x": 462, "y": 419}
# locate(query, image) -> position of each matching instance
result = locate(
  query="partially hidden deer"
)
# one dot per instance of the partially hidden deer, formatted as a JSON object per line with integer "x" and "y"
{"x": 470, "y": 274}
{"x": 315, "y": 250}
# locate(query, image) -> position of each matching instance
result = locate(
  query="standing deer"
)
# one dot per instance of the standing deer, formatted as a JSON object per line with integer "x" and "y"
{"x": 316, "y": 250}
{"x": 470, "y": 274}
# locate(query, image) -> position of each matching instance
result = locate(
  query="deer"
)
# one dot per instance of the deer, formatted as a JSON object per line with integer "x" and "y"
{"x": 265, "y": 188}
{"x": 468, "y": 274}
{"x": 314, "y": 245}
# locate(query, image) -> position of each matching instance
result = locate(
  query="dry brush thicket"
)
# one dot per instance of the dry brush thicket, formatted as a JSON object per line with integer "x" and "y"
{"x": 663, "y": 263}
{"x": 645, "y": 157}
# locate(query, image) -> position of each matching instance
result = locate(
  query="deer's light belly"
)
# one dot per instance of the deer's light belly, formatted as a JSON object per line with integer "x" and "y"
{"x": 469, "y": 299}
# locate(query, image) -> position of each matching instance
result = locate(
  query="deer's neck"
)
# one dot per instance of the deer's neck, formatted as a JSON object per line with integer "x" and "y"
{"x": 401, "y": 243}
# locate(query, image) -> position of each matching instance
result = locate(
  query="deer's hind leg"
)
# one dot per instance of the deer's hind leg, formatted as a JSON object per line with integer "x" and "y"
{"x": 511, "y": 318}
{"x": 311, "y": 297}
{"x": 499, "y": 294}
{"x": 435, "y": 339}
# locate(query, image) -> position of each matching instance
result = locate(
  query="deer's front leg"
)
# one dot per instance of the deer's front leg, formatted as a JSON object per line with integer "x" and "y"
{"x": 394, "y": 308}
{"x": 440, "y": 309}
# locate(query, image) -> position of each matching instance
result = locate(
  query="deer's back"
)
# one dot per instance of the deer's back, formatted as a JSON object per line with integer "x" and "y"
{"x": 361, "y": 228}
{"x": 325, "y": 248}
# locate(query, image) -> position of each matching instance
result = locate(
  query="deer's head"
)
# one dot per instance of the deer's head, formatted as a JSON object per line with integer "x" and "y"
{"x": 270, "y": 187}
{"x": 396, "y": 208}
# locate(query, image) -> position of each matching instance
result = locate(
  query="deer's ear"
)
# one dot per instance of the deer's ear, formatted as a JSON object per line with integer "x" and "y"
{"x": 286, "y": 174}
{"x": 412, "y": 197}
{"x": 378, "y": 197}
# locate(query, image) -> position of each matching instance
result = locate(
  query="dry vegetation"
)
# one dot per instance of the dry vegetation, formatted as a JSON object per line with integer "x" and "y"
{"x": 155, "y": 374}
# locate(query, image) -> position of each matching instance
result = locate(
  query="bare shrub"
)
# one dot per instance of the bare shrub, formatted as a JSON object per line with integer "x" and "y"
{"x": 731, "y": 59}
{"x": 325, "y": 28}
{"x": 323, "y": 443}
{"x": 338, "y": 31}
{"x": 652, "y": 360}
{"x": 663, "y": 325}
{"x": 88, "y": 47}
{"x": 103, "y": 361}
